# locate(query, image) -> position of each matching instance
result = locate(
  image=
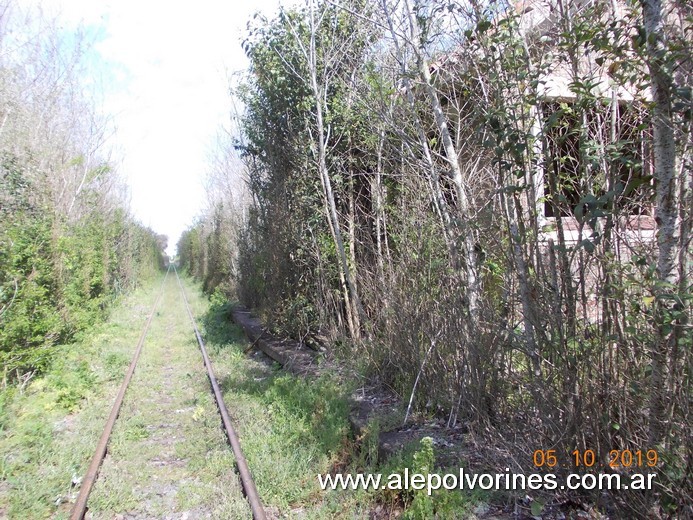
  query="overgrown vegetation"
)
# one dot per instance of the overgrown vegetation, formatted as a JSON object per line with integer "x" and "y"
{"x": 292, "y": 430}
{"x": 168, "y": 438}
{"x": 487, "y": 207}
{"x": 68, "y": 249}
{"x": 50, "y": 425}
{"x": 68, "y": 246}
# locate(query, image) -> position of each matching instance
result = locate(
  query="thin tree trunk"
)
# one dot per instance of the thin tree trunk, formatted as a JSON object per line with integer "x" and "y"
{"x": 377, "y": 197}
{"x": 459, "y": 226}
{"x": 351, "y": 298}
{"x": 433, "y": 177}
{"x": 451, "y": 156}
{"x": 667, "y": 207}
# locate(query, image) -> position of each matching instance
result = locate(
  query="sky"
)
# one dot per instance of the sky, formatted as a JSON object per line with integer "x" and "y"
{"x": 164, "y": 68}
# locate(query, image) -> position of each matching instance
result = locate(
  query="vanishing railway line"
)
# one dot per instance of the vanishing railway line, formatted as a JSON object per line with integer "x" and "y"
{"x": 80, "y": 507}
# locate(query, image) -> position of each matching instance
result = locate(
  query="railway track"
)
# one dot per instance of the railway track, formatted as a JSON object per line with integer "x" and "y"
{"x": 80, "y": 507}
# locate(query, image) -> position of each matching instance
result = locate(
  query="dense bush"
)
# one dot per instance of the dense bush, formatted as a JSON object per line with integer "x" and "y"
{"x": 67, "y": 243}
{"x": 488, "y": 211}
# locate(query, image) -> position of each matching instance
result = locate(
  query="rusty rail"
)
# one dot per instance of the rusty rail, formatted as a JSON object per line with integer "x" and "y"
{"x": 80, "y": 507}
{"x": 246, "y": 478}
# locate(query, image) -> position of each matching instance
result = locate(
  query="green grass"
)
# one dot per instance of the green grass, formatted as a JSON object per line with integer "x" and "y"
{"x": 168, "y": 453}
{"x": 291, "y": 430}
{"x": 418, "y": 457}
{"x": 49, "y": 430}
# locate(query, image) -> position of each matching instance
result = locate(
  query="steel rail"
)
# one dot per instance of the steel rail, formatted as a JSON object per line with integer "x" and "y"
{"x": 246, "y": 477}
{"x": 80, "y": 507}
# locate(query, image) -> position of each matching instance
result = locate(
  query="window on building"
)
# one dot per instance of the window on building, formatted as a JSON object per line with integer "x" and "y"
{"x": 596, "y": 160}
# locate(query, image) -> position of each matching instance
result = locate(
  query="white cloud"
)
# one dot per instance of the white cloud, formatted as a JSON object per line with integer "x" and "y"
{"x": 163, "y": 66}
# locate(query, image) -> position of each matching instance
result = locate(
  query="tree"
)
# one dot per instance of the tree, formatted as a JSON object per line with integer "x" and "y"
{"x": 67, "y": 243}
{"x": 659, "y": 59}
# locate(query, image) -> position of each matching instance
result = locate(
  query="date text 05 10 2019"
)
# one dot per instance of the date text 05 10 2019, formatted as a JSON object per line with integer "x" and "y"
{"x": 588, "y": 458}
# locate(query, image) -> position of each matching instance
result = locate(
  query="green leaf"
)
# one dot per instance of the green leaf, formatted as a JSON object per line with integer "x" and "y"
{"x": 537, "y": 507}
